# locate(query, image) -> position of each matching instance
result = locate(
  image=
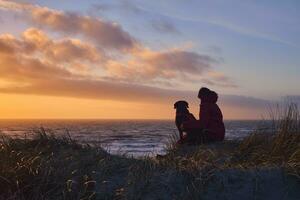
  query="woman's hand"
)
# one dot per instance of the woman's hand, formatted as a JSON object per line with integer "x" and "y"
{"x": 183, "y": 126}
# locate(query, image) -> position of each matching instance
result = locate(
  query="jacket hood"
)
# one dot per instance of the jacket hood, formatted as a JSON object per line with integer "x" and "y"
{"x": 211, "y": 98}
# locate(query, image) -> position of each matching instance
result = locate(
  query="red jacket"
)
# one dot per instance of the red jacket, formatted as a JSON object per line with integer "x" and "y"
{"x": 210, "y": 118}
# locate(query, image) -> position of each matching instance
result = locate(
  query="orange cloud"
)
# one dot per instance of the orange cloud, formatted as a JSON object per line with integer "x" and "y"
{"x": 36, "y": 52}
{"x": 14, "y": 68}
{"x": 148, "y": 65}
{"x": 65, "y": 50}
{"x": 104, "y": 33}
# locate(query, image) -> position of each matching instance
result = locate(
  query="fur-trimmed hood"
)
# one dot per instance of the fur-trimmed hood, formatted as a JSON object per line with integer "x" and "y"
{"x": 211, "y": 98}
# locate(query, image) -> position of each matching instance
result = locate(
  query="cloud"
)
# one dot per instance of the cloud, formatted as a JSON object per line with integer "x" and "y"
{"x": 64, "y": 50}
{"x": 244, "y": 101}
{"x": 219, "y": 79}
{"x": 104, "y": 33}
{"x": 214, "y": 49}
{"x": 21, "y": 68}
{"x": 123, "y": 5}
{"x": 94, "y": 89}
{"x": 100, "y": 7}
{"x": 17, "y": 66}
{"x": 159, "y": 24}
{"x": 168, "y": 64}
{"x": 35, "y": 42}
{"x": 164, "y": 26}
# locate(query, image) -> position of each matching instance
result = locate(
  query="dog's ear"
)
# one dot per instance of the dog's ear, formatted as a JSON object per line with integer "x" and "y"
{"x": 175, "y": 105}
{"x": 186, "y": 104}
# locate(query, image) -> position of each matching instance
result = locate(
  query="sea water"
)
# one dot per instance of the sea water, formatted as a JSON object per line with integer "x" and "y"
{"x": 130, "y": 137}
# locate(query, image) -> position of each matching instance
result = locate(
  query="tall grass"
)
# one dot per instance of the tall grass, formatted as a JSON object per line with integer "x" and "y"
{"x": 286, "y": 118}
{"x": 281, "y": 146}
{"x": 46, "y": 167}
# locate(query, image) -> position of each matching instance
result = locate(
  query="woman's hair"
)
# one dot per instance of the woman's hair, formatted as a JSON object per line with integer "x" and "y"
{"x": 204, "y": 92}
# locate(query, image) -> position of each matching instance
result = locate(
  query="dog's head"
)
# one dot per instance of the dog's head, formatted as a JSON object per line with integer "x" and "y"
{"x": 181, "y": 105}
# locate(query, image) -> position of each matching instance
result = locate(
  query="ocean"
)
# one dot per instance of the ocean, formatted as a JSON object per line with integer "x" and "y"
{"x": 127, "y": 137}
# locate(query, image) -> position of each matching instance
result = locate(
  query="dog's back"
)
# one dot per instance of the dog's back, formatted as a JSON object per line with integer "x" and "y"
{"x": 183, "y": 117}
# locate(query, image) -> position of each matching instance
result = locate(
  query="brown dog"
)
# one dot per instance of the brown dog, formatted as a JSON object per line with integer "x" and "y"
{"x": 182, "y": 115}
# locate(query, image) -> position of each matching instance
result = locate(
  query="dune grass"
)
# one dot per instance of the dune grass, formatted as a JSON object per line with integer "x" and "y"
{"x": 261, "y": 166}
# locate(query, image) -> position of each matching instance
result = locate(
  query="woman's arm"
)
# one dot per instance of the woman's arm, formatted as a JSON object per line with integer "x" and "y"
{"x": 204, "y": 115}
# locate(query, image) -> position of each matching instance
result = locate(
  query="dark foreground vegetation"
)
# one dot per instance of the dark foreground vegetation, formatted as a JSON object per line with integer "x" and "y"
{"x": 261, "y": 166}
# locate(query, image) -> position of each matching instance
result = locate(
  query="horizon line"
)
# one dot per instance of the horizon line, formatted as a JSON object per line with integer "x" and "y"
{"x": 163, "y": 119}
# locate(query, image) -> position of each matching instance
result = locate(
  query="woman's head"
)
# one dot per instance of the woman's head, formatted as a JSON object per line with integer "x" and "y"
{"x": 203, "y": 92}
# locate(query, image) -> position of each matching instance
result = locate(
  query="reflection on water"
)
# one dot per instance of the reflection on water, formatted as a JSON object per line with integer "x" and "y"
{"x": 131, "y": 137}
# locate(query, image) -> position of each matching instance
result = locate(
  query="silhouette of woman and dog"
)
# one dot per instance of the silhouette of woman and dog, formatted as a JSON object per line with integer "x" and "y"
{"x": 208, "y": 128}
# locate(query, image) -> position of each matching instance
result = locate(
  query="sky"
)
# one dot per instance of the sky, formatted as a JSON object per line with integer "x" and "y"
{"x": 135, "y": 58}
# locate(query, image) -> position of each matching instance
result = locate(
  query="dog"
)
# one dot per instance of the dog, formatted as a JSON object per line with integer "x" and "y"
{"x": 182, "y": 115}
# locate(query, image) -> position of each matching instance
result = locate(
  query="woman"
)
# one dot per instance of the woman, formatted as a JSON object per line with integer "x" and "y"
{"x": 210, "y": 126}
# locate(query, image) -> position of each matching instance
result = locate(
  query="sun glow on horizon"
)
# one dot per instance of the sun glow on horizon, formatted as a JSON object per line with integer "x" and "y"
{"x": 16, "y": 106}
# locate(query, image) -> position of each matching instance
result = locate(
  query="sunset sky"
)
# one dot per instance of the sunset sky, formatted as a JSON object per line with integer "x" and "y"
{"x": 135, "y": 58}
